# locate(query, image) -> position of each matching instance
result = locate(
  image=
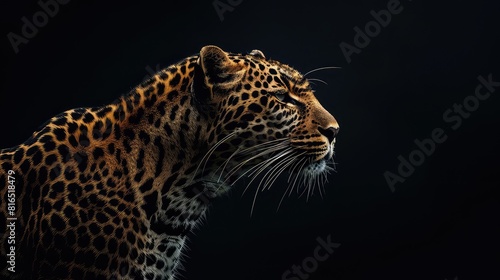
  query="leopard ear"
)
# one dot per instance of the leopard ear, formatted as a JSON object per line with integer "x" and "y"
{"x": 258, "y": 53}
{"x": 219, "y": 69}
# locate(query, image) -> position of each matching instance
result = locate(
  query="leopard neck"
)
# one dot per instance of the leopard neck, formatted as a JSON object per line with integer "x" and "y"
{"x": 162, "y": 135}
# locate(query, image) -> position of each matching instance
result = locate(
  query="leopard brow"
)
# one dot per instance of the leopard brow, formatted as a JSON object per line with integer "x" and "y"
{"x": 285, "y": 78}
{"x": 290, "y": 83}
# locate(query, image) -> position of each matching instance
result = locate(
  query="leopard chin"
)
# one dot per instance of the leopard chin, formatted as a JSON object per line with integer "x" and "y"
{"x": 316, "y": 168}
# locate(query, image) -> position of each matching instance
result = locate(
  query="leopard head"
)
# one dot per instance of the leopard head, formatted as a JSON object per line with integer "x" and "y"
{"x": 266, "y": 120}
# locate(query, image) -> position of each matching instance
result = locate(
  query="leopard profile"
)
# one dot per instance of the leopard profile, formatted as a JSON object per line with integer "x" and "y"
{"x": 111, "y": 192}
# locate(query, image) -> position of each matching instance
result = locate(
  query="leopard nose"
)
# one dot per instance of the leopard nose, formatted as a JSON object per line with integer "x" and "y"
{"x": 329, "y": 132}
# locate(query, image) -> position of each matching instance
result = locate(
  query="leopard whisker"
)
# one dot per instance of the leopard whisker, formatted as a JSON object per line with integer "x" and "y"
{"x": 258, "y": 187}
{"x": 296, "y": 162}
{"x": 225, "y": 164}
{"x": 319, "y": 80}
{"x": 305, "y": 181}
{"x": 263, "y": 165}
{"x": 254, "y": 199}
{"x": 290, "y": 150}
{"x": 282, "y": 197}
{"x": 256, "y": 172}
{"x": 321, "y": 68}
{"x": 299, "y": 175}
{"x": 275, "y": 171}
{"x": 322, "y": 183}
{"x": 209, "y": 153}
{"x": 310, "y": 186}
{"x": 289, "y": 162}
{"x": 260, "y": 151}
{"x": 276, "y": 148}
{"x": 292, "y": 173}
{"x": 240, "y": 165}
{"x": 263, "y": 145}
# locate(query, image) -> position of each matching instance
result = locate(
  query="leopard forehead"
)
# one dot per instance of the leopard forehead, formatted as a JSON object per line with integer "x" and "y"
{"x": 256, "y": 61}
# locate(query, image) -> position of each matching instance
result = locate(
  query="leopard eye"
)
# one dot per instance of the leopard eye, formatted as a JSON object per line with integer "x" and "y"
{"x": 281, "y": 95}
{"x": 285, "y": 97}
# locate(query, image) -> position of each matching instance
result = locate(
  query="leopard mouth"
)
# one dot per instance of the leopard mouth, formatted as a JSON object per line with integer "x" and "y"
{"x": 319, "y": 162}
{"x": 316, "y": 167}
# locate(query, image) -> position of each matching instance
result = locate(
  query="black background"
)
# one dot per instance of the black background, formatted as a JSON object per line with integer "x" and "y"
{"x": 441, "y": 223}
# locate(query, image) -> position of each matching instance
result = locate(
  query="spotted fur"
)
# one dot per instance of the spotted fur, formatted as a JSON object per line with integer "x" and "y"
{"x": 111, "y": 192}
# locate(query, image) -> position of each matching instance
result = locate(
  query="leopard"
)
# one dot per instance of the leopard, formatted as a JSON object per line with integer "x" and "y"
{"x": 112, "y": 192}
